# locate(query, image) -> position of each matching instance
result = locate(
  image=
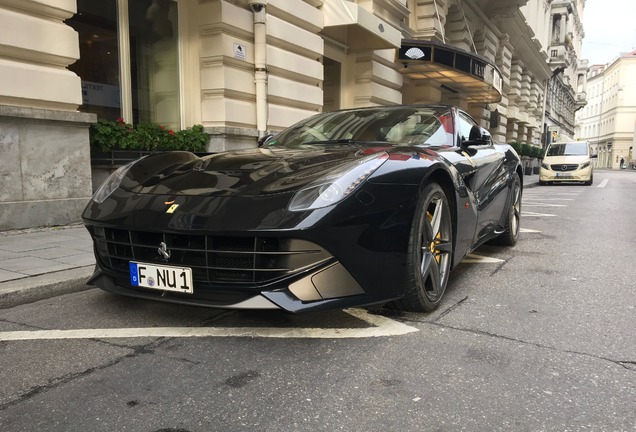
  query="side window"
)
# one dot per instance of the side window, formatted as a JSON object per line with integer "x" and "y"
{"x": 465, "y": 125}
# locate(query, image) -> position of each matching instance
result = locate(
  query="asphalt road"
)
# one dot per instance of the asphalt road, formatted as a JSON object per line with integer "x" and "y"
{"x": 539, "y": 337}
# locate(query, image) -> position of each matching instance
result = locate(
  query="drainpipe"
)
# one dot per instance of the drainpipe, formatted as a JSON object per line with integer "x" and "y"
{"x": 260, "y": 64}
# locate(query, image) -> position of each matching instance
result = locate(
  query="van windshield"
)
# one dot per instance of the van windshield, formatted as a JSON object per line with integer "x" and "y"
{"x": 567, "y": 149}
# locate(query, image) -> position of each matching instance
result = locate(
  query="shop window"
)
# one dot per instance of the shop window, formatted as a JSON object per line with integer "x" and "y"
{"x": 154, "y": 61}
{"x": 142, "y": 70}
{"x": 98, "y": 65}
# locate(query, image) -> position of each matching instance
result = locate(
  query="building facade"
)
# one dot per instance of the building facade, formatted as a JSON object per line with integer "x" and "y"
{"x": 565, "y": 93}
{"x": 608, "y": 121}
{"x": 244, "y": 68}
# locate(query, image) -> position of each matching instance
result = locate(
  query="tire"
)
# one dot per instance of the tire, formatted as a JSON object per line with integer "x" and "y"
{"x": 543, "y": 183}
{"x": 429, "y": 253}
{"x": 510, "y": 236}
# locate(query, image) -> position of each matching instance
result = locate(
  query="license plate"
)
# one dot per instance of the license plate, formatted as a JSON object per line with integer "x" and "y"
{"x": 563, "y": 175}
{"x": 164, "y": 278}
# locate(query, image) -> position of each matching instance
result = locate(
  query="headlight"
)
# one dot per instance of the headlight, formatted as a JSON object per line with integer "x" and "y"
{"x": 585, "y": 165}
{"x": 545, "y": 165}
{"x": 336, "y": 185}
{"x": 111, "y": 183}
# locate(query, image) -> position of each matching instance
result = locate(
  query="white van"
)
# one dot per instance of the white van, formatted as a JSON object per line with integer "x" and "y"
{"x": 567, "y": 162}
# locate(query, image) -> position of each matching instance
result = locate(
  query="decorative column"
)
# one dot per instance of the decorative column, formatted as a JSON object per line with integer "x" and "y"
{"x": 503, "y": 60}
{"x": 428, "y": 20}
{"x": 425, "y": 93}
{"x": 514, "y": 89}
{"x": 521, "y": 133}
{"x": 376, "y": 80}
{"x": 511, "y": 131}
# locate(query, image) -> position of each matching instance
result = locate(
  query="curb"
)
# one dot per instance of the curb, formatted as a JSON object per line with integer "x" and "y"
{"x": 31, "y": 289}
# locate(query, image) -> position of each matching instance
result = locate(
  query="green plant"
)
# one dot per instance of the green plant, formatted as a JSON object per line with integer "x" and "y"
{"x": 517, "y": 146}
{"x": 527, "y": 150}
{"x": 106, "y": 135}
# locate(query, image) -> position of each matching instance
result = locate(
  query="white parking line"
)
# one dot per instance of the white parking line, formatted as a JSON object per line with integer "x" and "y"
{"x": 540, "y": 204}
{"x": 380, "y": 327}
{"x": 525, "y": 213}
{"x": 527, "y": 230}
{"x": 550, "y": 193}
{"x": 480, "y": 259}
{"x": 541, "y": 198}
{"x": 603, "y": 184}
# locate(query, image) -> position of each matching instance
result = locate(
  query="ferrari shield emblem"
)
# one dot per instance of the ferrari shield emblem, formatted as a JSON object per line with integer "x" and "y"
{"x": 172, "y": 208}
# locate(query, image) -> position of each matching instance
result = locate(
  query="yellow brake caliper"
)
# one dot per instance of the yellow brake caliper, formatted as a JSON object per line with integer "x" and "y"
{"x": 438, "y": 239}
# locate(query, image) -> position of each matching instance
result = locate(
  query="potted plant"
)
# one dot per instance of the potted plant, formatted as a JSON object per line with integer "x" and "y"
{"x": 114, "y": 142}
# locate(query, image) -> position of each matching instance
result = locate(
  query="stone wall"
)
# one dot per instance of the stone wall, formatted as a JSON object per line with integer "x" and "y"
{"x": 45, "y": 176}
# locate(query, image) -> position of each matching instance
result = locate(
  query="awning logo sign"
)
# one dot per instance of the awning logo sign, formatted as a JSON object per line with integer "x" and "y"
{"x": 415, "y": 53}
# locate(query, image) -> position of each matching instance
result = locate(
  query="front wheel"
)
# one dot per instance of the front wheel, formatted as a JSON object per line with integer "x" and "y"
{"x": 430, "y": 252}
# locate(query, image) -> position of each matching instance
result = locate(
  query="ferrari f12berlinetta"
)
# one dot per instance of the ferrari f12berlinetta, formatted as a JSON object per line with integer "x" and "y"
{"x": 347, "y": 208}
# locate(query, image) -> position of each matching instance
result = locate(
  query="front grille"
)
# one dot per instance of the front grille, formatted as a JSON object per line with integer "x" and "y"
{"x": 213, "y": 259}
{"x": 564, "y": 167}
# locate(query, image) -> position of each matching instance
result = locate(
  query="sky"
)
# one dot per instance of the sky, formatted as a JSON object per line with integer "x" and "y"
{"x": 610, "y": 29}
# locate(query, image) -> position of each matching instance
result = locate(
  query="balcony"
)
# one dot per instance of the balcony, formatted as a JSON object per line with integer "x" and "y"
{"x": 558, "y": 56}
{"x": 581, "y": 100}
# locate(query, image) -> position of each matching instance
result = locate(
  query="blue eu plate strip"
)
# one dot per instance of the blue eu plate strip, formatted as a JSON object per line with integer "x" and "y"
{"x": 134, "y": 278}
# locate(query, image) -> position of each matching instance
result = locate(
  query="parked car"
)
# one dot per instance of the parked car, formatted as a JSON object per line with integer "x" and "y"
{"x": 567, "y": 162}
{"x": 346, "y": 208}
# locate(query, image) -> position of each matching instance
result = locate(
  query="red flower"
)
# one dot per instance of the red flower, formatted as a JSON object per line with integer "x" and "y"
{"x": 120, "y": 120}
{"x": 161, "y": 127}
{"x": 171, "y": 132}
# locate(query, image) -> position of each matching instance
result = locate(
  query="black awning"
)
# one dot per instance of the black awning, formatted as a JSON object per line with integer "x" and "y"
{"x": 453, "y": 69}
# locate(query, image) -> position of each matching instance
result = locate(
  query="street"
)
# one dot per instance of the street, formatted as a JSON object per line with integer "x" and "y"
{"x": 539, "y": 337}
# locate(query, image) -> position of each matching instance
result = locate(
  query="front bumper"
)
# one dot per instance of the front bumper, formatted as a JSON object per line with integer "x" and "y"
{"x": 325, "y": 288}
{"x": 353, "y": 254}
{"x": 578, "y": 175}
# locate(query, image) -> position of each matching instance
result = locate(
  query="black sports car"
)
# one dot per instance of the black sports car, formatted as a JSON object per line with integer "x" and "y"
{"x": 346, "y": 208}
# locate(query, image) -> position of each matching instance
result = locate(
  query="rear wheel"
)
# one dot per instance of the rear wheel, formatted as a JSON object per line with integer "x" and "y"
{"x": 430, "y": 252}
{"x": 513, "y": 219}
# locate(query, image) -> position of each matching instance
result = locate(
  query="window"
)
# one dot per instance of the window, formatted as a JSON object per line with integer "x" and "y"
{"x": 129, "y": 59}
{"x": 98, "y": 65}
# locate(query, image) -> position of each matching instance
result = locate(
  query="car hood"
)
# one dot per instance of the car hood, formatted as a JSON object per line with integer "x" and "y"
{"x": 563, "y": 160}
{"x": 238, "y": 173}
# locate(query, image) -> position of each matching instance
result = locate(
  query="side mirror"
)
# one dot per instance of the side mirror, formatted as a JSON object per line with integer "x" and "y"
{"x": 478, "y": 136}
{"x": 263, "y": 140}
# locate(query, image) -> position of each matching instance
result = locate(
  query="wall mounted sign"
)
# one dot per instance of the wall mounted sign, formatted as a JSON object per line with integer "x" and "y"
{"x": 240, "y": 51}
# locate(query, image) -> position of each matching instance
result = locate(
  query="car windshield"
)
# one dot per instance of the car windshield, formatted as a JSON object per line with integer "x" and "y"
{"x": 394, "y": 126}
{"x": 568, "y": 149}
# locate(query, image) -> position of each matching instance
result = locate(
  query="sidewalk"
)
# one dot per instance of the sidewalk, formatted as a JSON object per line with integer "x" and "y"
{"x": 45, "y": 262}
